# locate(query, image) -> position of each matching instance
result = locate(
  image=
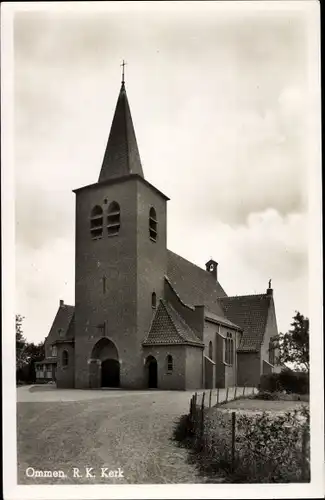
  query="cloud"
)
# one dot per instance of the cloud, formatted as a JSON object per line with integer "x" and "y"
{"x": 218, "y": 104}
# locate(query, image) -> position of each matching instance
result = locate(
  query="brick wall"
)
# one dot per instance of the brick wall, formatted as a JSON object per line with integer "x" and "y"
{"x": 65, "y": 374}
{"x": 194, "y": 367}
{"x": 225, "y": 375}
{"x": 168, "y": 381}
{"x": 248, "y": 368}
{"x": 270, "y": 330}
{"x": 133, "y": 266}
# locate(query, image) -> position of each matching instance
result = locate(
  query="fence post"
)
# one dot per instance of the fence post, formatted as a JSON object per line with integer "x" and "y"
{"x": 210, "y": 396}
{"x": 233, "y": 439}
{"x": 218, "y": 396}
{"x": 235, "y": 392}
{"x": 244, "y": 391}
{"x": 191, "y": 414}
{"x": 202, "y": 422}
{"x": 227, "y": 394}
{"x": 304, "y": 472}
{"x": 195, "y": 411}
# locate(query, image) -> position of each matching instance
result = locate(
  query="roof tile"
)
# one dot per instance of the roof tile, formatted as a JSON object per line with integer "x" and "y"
{"x": 194, "y": 285}
{"x": 169, "y": 328}
{"x": 250, "y": 313}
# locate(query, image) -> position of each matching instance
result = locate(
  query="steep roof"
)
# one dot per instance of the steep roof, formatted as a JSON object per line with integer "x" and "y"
{"x": 250, "y": 312}
{"x": 169, "y": 328}
{"x": 61, "y": 327}
{"x": 194, "y": 285}
{"x": 121, "y": 156}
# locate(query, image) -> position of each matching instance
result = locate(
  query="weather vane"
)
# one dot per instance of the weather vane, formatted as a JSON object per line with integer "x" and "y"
{"x": 123, "y": 65}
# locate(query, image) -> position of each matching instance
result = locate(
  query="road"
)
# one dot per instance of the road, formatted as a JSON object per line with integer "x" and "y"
{"x": 66, "y": 430}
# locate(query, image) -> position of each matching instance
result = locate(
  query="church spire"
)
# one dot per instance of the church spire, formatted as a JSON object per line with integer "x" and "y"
{"x": 123, "y": 65}
{"x": 121, "y": 156}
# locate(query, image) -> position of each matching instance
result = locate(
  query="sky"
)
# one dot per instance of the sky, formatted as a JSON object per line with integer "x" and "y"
{"x": 219, "y": 101}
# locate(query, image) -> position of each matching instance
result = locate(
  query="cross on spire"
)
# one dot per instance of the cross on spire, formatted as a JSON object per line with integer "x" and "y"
{"x": 123, "y": 65}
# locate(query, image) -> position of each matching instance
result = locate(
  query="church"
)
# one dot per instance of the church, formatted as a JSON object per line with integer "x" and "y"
{"x": 145, "y": 317}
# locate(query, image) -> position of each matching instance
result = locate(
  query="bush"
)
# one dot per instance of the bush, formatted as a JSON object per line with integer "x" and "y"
{"x": 266, "y": 396}
{"x": 287, "y": 380}
{"x": 268, "y": 448}
{"x": 183, "y": 430}
{"x": 280, "y": 396}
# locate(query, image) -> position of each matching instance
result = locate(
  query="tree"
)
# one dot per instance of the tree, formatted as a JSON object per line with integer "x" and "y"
{"x": 293, "y": 346}
{"x": 34, "y": 352}
{"x": 27, "y": 353}
{"x": 21, "y": 343}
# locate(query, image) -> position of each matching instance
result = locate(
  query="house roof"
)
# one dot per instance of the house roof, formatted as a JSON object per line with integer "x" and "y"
{"x": 214, "y": 318}
{"x": 169, "y": 328}
{"x": 121, "y": 156}
{"x": 250, "y": 312}
{"x": 194, "y": 285}
{"x": 62, "y": 325}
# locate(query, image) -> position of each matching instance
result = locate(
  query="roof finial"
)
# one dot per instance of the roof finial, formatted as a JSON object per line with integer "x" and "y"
{"x": 123, "y": 64}
{"x": 270, "y": 283}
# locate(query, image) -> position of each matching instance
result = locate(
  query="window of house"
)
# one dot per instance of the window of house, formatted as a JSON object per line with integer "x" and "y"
{"x": 153, "y": 224}
{"x": 210, "y": 350}
{"x": 61, "y": 332}
{"x": 96, "y": 222}
{"x": 113, "y": 219}
{"x": 229, "y": 349}
{"x": 271, "y": 353}
{"x": 65, "y": 358}
{"x": 153, "y": 300}
{"x": 169, "y": 363}
{"x": 54, "y": 351}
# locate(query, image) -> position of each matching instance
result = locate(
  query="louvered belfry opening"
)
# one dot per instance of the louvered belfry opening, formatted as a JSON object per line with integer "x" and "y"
{"x": 153, "y": 232}
{"x": 96, "y": 222}
{"x": 113, "y": 219}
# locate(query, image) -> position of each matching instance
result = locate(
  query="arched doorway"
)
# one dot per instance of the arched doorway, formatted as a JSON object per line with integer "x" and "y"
{"x": 152, "y": 372}
{"x": 110, "y": 376}
{"x": 105, "y": 356}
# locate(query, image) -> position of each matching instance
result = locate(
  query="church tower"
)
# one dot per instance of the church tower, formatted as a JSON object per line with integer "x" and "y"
{"x": 121, "y": 260}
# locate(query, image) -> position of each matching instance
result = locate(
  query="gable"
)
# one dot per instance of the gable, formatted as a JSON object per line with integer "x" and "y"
{"x": 250, "y": 312}
{"x": 62, "y": 326}
{"x": 168, "y": 327}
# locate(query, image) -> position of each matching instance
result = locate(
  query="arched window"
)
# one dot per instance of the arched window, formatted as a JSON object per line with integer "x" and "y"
{"x": 229, "y": 349}
{"x": 153, "y": 224}
{"x": 169, "y": 363}
{"x": 210, "y": 350}
{"x": 65, "y": 358}
{"x": 271, "y": 353}
{"x": 96, "y": 222}
{"x": 54, "y": 351}
{"x": 113, "y": 219}
{"x": 153, "y": 300}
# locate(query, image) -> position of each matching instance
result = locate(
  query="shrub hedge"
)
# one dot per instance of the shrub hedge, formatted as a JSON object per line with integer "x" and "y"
{"x": 268, "y": 448}
{"x": 286, "y": 380}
